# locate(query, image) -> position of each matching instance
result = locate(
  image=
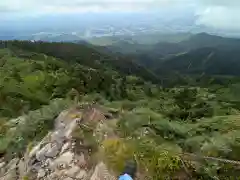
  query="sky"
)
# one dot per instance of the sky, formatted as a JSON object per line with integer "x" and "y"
{"x": 220, "y": 14}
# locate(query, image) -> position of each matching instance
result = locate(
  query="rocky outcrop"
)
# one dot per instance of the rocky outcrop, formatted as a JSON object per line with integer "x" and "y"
{"x": 56, "y": 157}
{"x": 101, "y": 172}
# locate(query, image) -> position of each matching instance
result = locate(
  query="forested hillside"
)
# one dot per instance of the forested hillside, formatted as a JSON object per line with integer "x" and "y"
{"x": 195, "y": 55}
{"x": 209, "y": 61}
{"x": 29, "y": 80}
{"x": 85, "y": 55}
{"x": 163, "y": 127}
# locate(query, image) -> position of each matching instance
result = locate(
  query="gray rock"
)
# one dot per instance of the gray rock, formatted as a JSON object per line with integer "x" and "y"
{"x": 60, "y": 118}
{"x": 53, "y": 176}
{"x": 73, "y": 171}
{"x": 58, "y": 136}
{"x": 48, "y": 162}
{"x": 65, "y": 158}
{"x": 68, "y": 178}
{"x": 65, "y": 147}
{"x": 40, "y": 155}
{"x": 22, "y": 168}
{"x": 81, "y": 175}
{"x": 41, "y": 173}
{"x": 70, "y": 129}
{"x": 34, "y": 150}
{"x": 101, "y": 172}
{"x": 52, "y": 151}
{"x": 2, "y": 164}
{"x": 36, "y": 166}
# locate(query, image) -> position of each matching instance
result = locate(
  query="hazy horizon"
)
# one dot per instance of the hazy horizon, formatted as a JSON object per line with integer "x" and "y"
{"x": 34, "y": 16}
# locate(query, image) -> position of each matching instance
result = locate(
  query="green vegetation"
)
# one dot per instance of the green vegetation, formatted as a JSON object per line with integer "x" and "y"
{"x": 159, "y": 130}
{"x": 85, "y": 55}
{"x": 17, "y": 134}
{"x": 155, "y": 124}
{"x": 196, "y": 54}
{"x": 30, "y": 80}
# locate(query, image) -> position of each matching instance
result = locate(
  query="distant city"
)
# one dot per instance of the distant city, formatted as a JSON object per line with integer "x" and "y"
{"x": 76, "y": 27}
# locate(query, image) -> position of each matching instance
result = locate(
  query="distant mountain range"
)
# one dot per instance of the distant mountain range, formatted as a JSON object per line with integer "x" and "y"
{"x": 185, "y": 54}
{"x": 197, "y": 54}
{"x": 208, "y": 60}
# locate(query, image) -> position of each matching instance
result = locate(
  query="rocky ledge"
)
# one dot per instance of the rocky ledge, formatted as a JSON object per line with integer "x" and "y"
{"x": 59, "y": 156}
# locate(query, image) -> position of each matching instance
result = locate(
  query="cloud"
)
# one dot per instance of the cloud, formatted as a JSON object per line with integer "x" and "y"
{"x": 220, "y": 18}
{"x": 85, "y": 5}
{"x": 219, "y": 14}
{"x": 224, "y": 3}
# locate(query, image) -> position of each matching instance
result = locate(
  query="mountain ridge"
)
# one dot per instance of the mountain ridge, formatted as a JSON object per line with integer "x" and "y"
{"x": 163, "y": 57}
{"x": 87, "y": 55}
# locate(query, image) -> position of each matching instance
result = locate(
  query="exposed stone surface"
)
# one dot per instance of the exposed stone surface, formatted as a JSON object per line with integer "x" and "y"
{"x": 57, "y": 156}
{"x": 11, "y": 170}
{"x": 81, "y": 175}
{"x": 41, "y": 173}
{"x": 2, "y": 164}
{"x": 72, "y": 172}
{"x": 80, "y": 161}
{"x": 101, "y": 172}
{"x": 52, "y": 151}
{"x": 65, "y": 158}
{"x": 68, "y": 178}
{"x": 22, "y": 168}
{"x": 65, "y": 147}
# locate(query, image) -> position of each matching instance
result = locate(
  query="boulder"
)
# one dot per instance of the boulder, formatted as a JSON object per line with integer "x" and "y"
{"x": 81, "y": 175}
{"x": 101, "y": 172}
{"x": 65, "y": 158}
{"x": 2, "y": 169}
{"x": 70, "y": 129}
{"x": 72, "y": 172}
{"x": 40, "y": 155}
{"x": 52, "y": 151}
{"x": 34, "y": 150}
{"x": 2, "y": 164}
{"x": 65, "y": 147}
{"x": 41, "y": 173}
{"x": 58, "y": 136}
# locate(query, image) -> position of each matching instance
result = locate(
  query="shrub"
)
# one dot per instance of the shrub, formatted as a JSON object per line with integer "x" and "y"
{"x": 34, "y": 126}
{"x": 116, "y": 152}
{"x": 154, "y": 161}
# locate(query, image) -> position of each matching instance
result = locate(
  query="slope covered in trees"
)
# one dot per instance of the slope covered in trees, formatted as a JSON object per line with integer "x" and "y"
{"x": 211, "y": 61}
{"x": 29, "y": 80}
{"x": 195, "y": 55}
{"x": 159, "y": 126}
{"x": 86, "y": 55}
